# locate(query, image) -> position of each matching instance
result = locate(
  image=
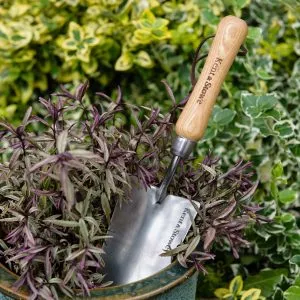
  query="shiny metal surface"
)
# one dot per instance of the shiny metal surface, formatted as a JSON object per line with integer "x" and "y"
{"x": 162, "y": 190}
{"x": 148, "y": 224}
{"x": 141, "y": 230}
{"x": 182, "y": 147}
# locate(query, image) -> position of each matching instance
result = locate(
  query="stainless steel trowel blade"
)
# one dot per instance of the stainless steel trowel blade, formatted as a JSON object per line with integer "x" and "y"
{"x": 142, "y": 229}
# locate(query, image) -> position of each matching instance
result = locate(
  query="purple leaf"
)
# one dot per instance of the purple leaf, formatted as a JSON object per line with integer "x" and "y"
{"x": 31, "y": 284}
{"x": 81, "y": 90}
{"x": 83, "y": 283}
{"x": 67, "y": 188}
{"x": 209, "y": 238}
{"x": 228, "y": 210}
{"x": 48, "y": 160}
{"x": 21, "y": 281}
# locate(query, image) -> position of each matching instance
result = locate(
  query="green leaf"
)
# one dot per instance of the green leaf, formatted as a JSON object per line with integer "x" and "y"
{"x": 142, "y": 36}
{"x": 295, "y": 149}
{"x": 296, "y": 259}
{"x": 295, "y": 267}
{"x": 75, "y": 254}
{"x": 160, "y": 23}
{"x": 75, "y": 31}
{"x": 223, "y": 117}
{"x": 175, "y": 250}
{"x": 56, "y": 280}
{"x": 253, "y": 106}
{"x": 124, "y": 62}
{"x": 266, "y": 280}
{"x": 91, "y": 41}
{"x": 278, "y": 294}
{"x": 208, "y": 17}
{"x": 221, "y": 292}
{"x": 288, "y": 220}
{"x": 143, "y": 59}
{"x": 210, "y": 133}
{"x": 62, "y": 223}
{"x": 236, "y": 285}
{"x": 254, "y": 33}
{"x": 284, "y": 128}
{"x": 266, "y": 102}
{"x": 146, "y": 24}
{"x": 263, "y": 74}
{"x": 9, "y": 74}
{"x": 248, "y": 103}
{"x": 252, "y": 294}
{"x": 241, "y": 3}
{"x": 148, "y": 15}
{"x": 297, "y": 280}
{"x": 287, "y": 196}
{"x": 84, "y": 231}
{"x": 263, "y": 125}
{"x": 273, "y": 114}
{"x": 274, "y": 228}
{"x": 192, "y": 246}
{"x": 160, "y": 34}
{"x": 277, "y": 170}
{"x": 292, "y": 293}
{"x": 96, "y": 250}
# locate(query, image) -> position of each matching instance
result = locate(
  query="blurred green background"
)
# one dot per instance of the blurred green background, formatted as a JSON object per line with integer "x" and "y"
{"x": 136, "y": 44}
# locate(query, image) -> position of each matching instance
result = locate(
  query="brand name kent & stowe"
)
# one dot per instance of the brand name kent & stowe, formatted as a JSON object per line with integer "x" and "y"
{"x": 177, "y": 228}
{"x": 208, "y": 84}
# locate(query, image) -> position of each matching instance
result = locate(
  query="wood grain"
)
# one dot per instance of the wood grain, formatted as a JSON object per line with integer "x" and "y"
{"x": 230, "y": 35}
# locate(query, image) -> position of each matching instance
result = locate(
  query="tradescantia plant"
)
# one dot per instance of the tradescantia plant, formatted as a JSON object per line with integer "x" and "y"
{"x": 63, "y": 172}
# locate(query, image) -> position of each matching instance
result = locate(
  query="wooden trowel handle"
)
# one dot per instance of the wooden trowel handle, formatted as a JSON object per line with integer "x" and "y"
{"x": 230, "y": 35}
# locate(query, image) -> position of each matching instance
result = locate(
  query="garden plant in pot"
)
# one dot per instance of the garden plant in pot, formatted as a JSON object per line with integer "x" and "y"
{"x": 63, "y": 172}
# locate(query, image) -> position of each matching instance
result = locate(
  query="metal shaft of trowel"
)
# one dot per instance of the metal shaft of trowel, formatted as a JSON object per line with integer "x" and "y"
{"x": 181, "y": 149}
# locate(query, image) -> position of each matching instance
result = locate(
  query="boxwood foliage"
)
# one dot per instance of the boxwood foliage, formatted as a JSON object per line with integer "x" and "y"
{"x": 70, "y": 40}
{"x": 258, "y": 117}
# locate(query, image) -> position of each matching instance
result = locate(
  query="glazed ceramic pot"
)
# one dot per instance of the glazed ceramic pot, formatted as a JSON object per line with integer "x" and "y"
{"x": 172, "y": 283}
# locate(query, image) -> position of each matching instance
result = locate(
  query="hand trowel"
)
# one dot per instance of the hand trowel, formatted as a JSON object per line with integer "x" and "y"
{"x": 152, "y": 221}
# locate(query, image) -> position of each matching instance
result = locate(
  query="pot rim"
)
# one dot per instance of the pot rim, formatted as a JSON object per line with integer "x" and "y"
{"x": 23, "y": 294}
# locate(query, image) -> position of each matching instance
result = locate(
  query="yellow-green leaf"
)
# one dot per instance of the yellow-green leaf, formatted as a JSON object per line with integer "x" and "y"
{"x": 69, "y": 44}
{"x": 90, "y": 67}
{"x": 142, "y": 36}
{"x": 18, "y": 9}
{"x": 292, "y": 293}
{"x": 148, "y": 15}
{"x": 75, "y": 32}
{"x": 160, "y": 34}
{"x": 83, "y": 53}
{"x": 221, "y": 292}
{"x": 124, "y": 62}
{"x": 143, "y": 59}
{"x": 236, "y": 285}
{"x": 252, "y": 294}
{"x": 91, "y": 41}
{"x": 8, "y": 111}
